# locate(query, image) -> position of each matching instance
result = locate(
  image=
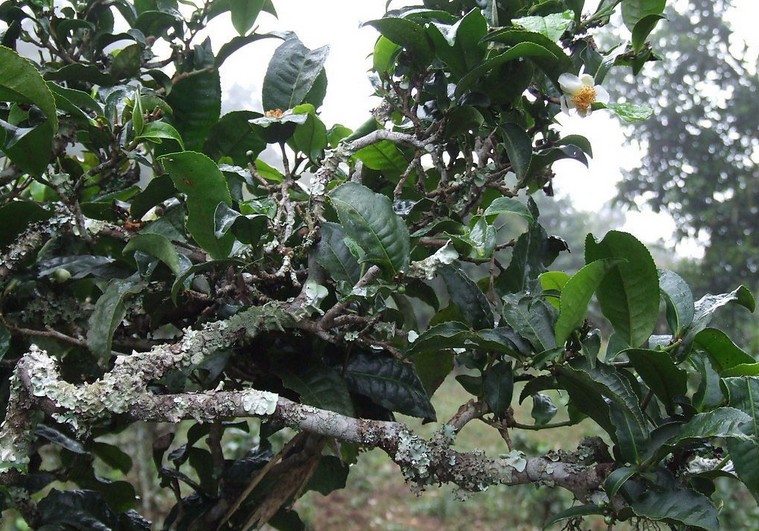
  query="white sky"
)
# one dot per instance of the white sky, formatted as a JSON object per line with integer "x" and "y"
{"x": 337, "y": 23}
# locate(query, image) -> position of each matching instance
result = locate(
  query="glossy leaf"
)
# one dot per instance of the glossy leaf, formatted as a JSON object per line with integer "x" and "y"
{"x": 543, "y": 409}
{"x": 552, "y": 26}
{"x": 552, "y": 282}
{"x": 450, "y": 334}
{"x": 157, "y": 131}
{"x": 498, "y": 387}
{"x": 383, "y": 156}
{"x": 292, "y": 72}
{"x": 467, "y": 296}
{"x": 633, "y": 11}
{"x": 630, "y": 112}
{"x": 723, "y": 422}
{"x": 247, "y": 229}
{"x": 390, "y": 383}
{"x": 643, "y": 28}
{"x": 629, "y": 293}
{"x": 678, "y": 299}
{"x": 235, "y": 43}
{"x": 576, "y": 294}
{"x": 318, "y": 385}
{"x": 743, "y": 393}
{"x": 408, "y": 34}
{"x": 723, "y": 353}
{"x": 199, "y": 178}
{"x": 107, "y": 315}
{"x": 578, "y": 511}
{"x": 617, "y": 478}
{"x": 433, "y": 367}
{"x": 196, "y": 102}
{"x": 707, "y": 305}
{"x": 369, "y": 220}
{"x": 519, "y": 149}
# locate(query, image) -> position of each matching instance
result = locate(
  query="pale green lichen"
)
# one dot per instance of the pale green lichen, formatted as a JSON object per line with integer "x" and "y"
{"x": 259, "y": 403}
{"x": 515, "y": 459}
{"x": 414, "y": 453}
{"x": 428, "y": 267}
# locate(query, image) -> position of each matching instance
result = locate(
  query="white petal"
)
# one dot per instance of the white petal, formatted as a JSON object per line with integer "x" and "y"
{"x": 565, "y": 104}
{"x": 569, "y": 83}
{"x": 601, "y": 95}
{"x": 587, "y": 80}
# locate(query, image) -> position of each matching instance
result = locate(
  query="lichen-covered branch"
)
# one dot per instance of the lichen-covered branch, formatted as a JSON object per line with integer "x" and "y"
{"x": 38, "y": 386}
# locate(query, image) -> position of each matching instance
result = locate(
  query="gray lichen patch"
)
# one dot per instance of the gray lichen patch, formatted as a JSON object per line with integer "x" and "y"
{"x": 259, "y": 403}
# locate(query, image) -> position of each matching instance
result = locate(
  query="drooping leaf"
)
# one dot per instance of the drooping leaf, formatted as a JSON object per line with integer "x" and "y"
{"x": 519, "y": 149}
{"x": 643, "y": 28}
{"x": 408, "y": 34}
{"x": 334, "y": 256}
{"x": 633, "y": 11}
{"x": 707, "y": 305}
{"x": 660, "y": 374}
{"x": 390, "y": 383}
{"x": 433, "y": 367}
{"x": 507, "y": 206}
{"x": 467, "y": 295}
{"x": 329, "y": 476}
{"x": 543, "y": 409}
{"x": 199, "y": 178}
{"x": 498, "y": 387}
{"x": 678, "y": 299}
{"x": 723, "y": 353}
{"x": 573, "y": 512}
{"x": 59, "y": 438}
{"x": 532, "y": 319}
{"x": 369, "y": 220}
{"x": 107, "y": 315}
{"x": 576, "y": 294}
{"x": 247, "y": 229}
{"x": 629, "y": 293}
{"x": 292, "y": 72}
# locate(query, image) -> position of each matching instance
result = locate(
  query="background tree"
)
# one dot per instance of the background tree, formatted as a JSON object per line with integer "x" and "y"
{"x": 700, "y": 161}
{"x": 155, "y": 269}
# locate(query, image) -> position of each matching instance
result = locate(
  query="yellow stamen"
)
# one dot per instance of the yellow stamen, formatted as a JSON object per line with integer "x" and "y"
{"x": 584, "y": 98}
{"x": 277, "y": 113}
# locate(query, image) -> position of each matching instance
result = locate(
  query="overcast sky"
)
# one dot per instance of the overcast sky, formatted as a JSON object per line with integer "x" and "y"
{"x": 337, "y": 23}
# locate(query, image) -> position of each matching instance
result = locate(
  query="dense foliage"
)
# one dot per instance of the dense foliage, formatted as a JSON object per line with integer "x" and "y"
{"x": 155, "y": 268}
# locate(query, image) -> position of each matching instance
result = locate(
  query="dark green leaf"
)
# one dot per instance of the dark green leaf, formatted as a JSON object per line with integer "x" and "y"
{"x": 467, "y": 296}
{"x": 126, "y": 64}
{"x": 433, "y": 367}
{"x": 318, "y": 385}
{"x": 16, "y": 216}
{"x": 369, "y": 220}
{"x": 390, "y": 383}
{"x": 113, "y": 456}
{"x": 552, "y": 26}
{"x": 574, "y": 512}
{"x": 310, "y": 137}
{"x": 108, "y": 313}
{"x": 74, "y": 509}
{"x": 451, "y": 334}
{"x": 723, "y": 422}
{"x": 196, "y": 101}
{"x": 292, "y": 72}
{"x": 678, "y": 299}
{"x": 642, "y": 29}
{"x": 498, "y": 387}
{"x": 519, "y": 149}
{"x": 21, "y": 82}
{"x": 633, "y": 11}
{"x": 383, "y": 156}
{"x": 59, "y": 439}
{"x": 334, "y": 256}
{"x": 329, "y": 476}
{"x": 247, "y": 229}
{"x": 576, "y": 294}
{"x": 543, "y": 409}
{"x": 509, "y": 205}
{"x": 660, "y": 374}
{"x": 157, "y": 131}
{"x": 199, "y": 178}
{"x": 159, "y": 189}
{"x": 617, "y": 478}
{"x": 532, "y": 319}
{"x": 629, "y": 293}
{"x": 743, "y": 394}
{"x": 723, "y": 353}
{"x": 238, "y": 42}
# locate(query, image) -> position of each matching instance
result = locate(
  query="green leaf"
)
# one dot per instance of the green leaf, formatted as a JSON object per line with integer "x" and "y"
{"x": 509, "y": 205}
{"x": 292, "y": 72}
{"x": 390, "y": 383}
{"x": 519, "y": 149}
{"x": 552, "y": 26}
{"x": 543, "y": 409}
{"x": 235, "y": 43}
{"x": 666, "y": 500}
{"x": 678, "y": 299}
{"x": 617, "y": 478}
{"x": 5, "y": 341}
{"x": 498, "y": 387}
{"x": 108, "y": 314}
{"x": 196, "y": 102}
{"x": 247, "y": 229}
{"x": 532, "y": 319}
{"x": 199, "y": 178}
{"x": 708, "y": 304}
{"x": 156, "y": 131}
{"x": 334, "y": 256}
{"x": 113, "y": 456}
{"x": 16, "y": 216}
{"x": 245, "y": 13}
{"x": 451, "y": 334}
{"x": 576, "y": 294}
{"x": 408, "y": 34}
{"x": 433, "y": 367}
{"x": 630, "y": 112}
{"x": 629, "y": 293}
{"x": 330, "y": 475}
{"x": 318, "y": 385}
{"x": 467, "y": 295}
{"x": 723, "y": 353}
{"x": 660, "y": 374}
{"x": 157, "y": 246}
{"x": 369, "y": 219}
{"x": 382, "y": 156}
{"x": 642, "y": 29}
{"x": 126, "y": 63}
{"x": 723, "y": 422}
{"x": 573, "y": 512}
{"x": 158, "y": 189}
{"x": 606, "y": 396}
{"x": 385, "y": 53}
{"x": 460, "y": 45}
{"x": 310, "y": 137}
{"x": 633, "y": 11}
{"x": 743, "y": 393}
